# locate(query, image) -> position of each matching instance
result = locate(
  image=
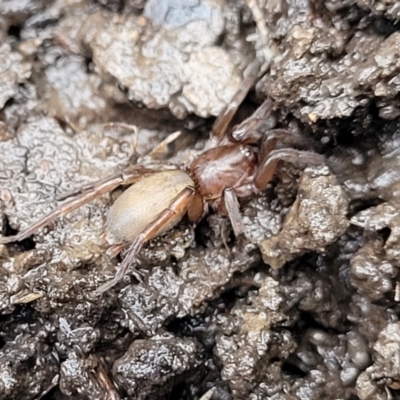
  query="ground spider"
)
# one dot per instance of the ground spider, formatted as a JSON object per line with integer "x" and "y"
{"x": 164, "y": 193}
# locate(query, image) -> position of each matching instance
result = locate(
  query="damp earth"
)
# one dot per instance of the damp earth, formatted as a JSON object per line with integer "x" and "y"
{"x": 307, "y": 307}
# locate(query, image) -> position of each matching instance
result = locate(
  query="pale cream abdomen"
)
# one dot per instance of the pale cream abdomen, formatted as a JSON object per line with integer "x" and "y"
{"x": 142, "y": 202}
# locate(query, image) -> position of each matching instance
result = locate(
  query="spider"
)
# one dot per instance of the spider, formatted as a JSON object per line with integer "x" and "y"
{"x": 228, "y": 169}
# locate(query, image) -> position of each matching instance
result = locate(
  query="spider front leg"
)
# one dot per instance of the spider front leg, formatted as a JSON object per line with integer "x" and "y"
{"x": 268, "y": 167}
{"x": 251, "y": 129}
{"x": 275, "y": 136}
{"x": 222, "y": 122}
{"x": 89, "y": 193}
{"x": 161, "y": 223}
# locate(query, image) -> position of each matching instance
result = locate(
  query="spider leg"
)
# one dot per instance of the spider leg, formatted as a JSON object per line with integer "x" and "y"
{"x": 162, "y": 220}
{"x": 196, "y": 207}
{"x": 128, "y": 170}
{"x": 114, "y": 250}
{"x": 232, "y": 207}
{"x": 162, "y": 147}
{"x": 128, "y": 176}
{"x": 271, "y": 139}
{"x": 89, "y": 193}
{"x": 223, "y": 120}
{"x": 268, "y": 167}
{"x": 251, "y": 129}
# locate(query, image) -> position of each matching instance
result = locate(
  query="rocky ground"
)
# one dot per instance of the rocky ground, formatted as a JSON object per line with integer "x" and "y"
{"x": 308, "y": 308}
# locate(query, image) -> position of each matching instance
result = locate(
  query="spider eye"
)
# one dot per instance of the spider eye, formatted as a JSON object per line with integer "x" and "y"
{"x": 245, "y": 150}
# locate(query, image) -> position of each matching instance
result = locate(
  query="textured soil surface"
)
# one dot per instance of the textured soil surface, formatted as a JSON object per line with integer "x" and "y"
{"x": 307, "y": 307}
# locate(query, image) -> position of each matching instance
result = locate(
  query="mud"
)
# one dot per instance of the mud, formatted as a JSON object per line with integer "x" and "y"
{"x": 307, "y": 308}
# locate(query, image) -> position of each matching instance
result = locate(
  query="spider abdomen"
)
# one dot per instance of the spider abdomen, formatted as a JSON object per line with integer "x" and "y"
{"x": 143, "y": 202}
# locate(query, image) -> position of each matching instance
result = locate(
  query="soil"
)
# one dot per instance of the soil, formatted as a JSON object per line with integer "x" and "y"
{"x": 307, "y": 307}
